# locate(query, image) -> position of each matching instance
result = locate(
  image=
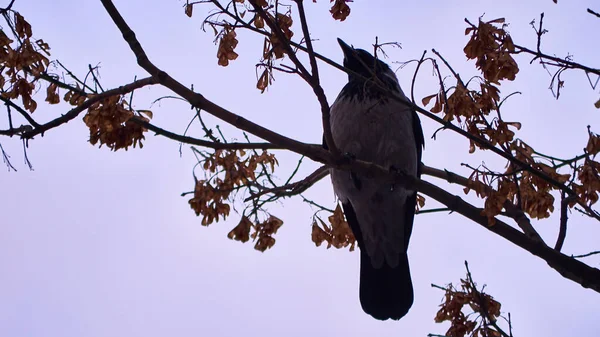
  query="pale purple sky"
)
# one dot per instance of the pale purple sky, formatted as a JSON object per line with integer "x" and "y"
{"x": 96, "y": 243}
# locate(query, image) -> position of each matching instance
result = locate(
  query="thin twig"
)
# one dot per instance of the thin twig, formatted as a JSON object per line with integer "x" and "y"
{"x": 483, "y": 309}
{"x": 562, "y": 233}
{"x": 593, "y": 13}
{"x": 295, "y": 188}
{"x": 201, "y": 142}
{"x": 586, "y": 254}
{"x": 22, "y": 111}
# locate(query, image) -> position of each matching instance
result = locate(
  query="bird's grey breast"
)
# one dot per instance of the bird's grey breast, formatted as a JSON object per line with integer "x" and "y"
{"x": 377, "y": 130}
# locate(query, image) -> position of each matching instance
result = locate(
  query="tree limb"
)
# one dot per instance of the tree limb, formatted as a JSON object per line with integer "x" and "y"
{"x": 201, "y": 142}
{"x": 199, "y": 101}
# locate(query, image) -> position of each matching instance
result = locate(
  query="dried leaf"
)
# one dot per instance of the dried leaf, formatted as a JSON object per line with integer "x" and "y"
{"x": 427, "y": 99}
{"x": 241, "y": 232}
{"x": 188, "y": 10}
{"x": 340, "y": 9}
{"x": 148, "y": 113}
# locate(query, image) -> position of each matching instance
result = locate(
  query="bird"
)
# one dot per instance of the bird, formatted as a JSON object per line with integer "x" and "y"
{"x": 368, "y": 124}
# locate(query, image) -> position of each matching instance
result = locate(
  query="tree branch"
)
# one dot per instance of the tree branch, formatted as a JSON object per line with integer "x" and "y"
{"x": 511, "y": 210}
{"x": 316, "y": 85}
{"x": 22, "y": 111}
{"x": 294, "y": 188}
{"x": 199, "y": 101}
{"x": 562, "y": 233}
{"x": 200, "y": 142}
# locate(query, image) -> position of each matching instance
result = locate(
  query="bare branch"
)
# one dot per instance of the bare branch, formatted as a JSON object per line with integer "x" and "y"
{"x": 294, "y": 188}
{"x": 562, "y": 233}
{"x": 585, "y": 255}
{"x": 315, "y": 83}
{"x": 200, "y": 142}
{"x": 6, "y": 159}
{"x": 593, "y": 13}
{"x": 10, "y": 104}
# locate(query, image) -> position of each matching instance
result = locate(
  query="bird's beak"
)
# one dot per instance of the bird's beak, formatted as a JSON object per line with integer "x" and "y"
{"x": 348, "y": 51}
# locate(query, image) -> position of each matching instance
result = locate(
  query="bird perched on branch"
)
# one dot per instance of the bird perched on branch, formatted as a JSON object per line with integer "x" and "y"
{"x": 368, "y": 124}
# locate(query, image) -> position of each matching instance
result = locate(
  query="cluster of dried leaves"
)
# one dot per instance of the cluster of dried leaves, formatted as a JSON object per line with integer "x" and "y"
{"x": 338, "y": 235}
{"x": 492, "y": 48}
{"x": 24, "y": 65}
{"x": 227, "y": 44}
{"x": 588, "y": 173}
{"x": 262, "y": 232}
{"x": 110, "y": 124}
{"x": 229, "y": 171}
{"x": 21, "y": 63}
{"x": 481, "y": 321}
{"x": 273, "y": 48}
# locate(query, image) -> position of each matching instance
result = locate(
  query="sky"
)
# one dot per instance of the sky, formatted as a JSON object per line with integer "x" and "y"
{"x": 98, "y": 243}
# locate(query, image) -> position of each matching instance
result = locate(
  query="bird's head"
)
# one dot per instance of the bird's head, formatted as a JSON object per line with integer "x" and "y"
{"x": 365, "y": 66}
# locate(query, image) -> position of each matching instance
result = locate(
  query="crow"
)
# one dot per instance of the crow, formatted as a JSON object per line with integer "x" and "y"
{"x": 368, "y": 124}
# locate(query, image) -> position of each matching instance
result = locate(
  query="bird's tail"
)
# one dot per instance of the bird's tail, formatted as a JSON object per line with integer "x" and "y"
{"x": 385, "y": 292}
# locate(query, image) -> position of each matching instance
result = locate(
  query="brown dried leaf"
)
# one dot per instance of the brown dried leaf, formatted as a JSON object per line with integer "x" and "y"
{"x": 340, "y": 10}
{"x": 22, "y": 27}
{"x": 189, "y": 9}
{"x": 258, "y": 21}
{"x": 52, "y": 96}
{"x": 264, "y": 81}
{"x": 148, "y": 113}
{"x": 426, "y": 100}
{"x": 241, "y": 232}
{"x": 227, "y": 44}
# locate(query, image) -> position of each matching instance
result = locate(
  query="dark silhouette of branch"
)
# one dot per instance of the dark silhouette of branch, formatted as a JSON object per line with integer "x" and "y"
{"x": 10, "y": 104}
{"x": 564, "y": 217}
{"x": 16, "y": 131}
{"x": 7, "y": 8}
{"x": 295, "y": 188}
{"x": 482, "y": 306}
{"x": 511, "y": 210}
{"x": 593, "y": 13}
{"x": 433, "y": 210}
{"x": 572, "y": 269}
{"x": 585, "y": 255}
{"x": 200, "y": 142}
{"x": 6, "y": 159}
{"x": 314, "y": 80}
